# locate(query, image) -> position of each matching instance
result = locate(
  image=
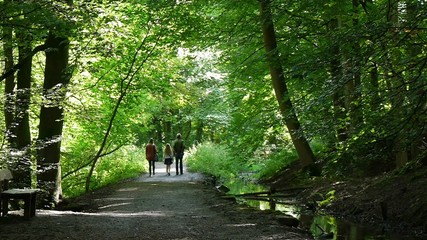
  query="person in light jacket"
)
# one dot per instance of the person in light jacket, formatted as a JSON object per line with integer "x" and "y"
{"x": 168, "y": 158}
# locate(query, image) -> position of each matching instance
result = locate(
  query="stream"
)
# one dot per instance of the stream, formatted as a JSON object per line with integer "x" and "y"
{"x": 321, "y": 226}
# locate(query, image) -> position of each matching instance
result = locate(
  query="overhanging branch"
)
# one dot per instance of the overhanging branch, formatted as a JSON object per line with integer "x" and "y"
{"x": 18, "y": 66}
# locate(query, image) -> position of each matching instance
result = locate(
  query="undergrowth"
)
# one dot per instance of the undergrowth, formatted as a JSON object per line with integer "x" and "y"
{"x": 127, "y": 162}
{"x": 216, "y": 160}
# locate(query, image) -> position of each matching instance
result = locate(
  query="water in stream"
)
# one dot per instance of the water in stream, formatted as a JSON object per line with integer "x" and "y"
{"x": 327, "y": 227}
{"x": 321, "y": 226}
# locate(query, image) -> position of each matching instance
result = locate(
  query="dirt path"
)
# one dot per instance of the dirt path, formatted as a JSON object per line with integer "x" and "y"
{"x": 158, "y": 207}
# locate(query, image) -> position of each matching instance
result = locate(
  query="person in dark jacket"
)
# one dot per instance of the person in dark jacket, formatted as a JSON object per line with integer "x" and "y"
{"x": 178, "y": 149}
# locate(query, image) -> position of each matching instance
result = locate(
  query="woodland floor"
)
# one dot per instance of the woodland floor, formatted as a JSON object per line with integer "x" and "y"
{"x": 158, "y": 207}
{"x": 395, "y": 202}
{"x": 185, "y": 207}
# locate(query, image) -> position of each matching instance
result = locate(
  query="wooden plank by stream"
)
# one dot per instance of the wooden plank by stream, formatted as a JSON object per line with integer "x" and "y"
{"x": 271, "y": 199}
{"x": 278, "y": 193}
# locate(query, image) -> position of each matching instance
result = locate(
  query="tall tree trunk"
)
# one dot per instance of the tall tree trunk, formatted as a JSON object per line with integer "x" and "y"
{"x": 56, "y": 79}
{"x": 374, "y": 87}
{"x": 396, "y": 85}
{"x": 9, "y": 101}
{"x": 417, "y": 95}
{"x": 279, "y": 84}
{"x": 354, "y": 85}
{"x": 9, "y": 87}
{"x": 338, "y": 97}
{"x": 199, "y": 130}
{"x": 158, "y": 129}
{"x": 167, "y": 130}
{"x": 22, "y": 172}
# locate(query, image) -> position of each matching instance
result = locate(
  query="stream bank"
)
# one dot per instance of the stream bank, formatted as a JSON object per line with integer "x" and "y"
{"x": 395, "y": 202}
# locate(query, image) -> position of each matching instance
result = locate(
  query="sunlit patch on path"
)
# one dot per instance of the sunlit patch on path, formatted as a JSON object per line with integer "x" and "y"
{"x": 161, "y": 176}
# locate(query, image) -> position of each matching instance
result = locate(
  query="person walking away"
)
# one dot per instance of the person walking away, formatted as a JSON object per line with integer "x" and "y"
{"x": 150, "y": 155}
{"x": 168, "y": 158}
{"x": 178, "y": 148}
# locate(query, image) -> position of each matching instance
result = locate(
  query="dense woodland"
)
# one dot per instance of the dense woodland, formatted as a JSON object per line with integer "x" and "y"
{"x": 338, "y": 87}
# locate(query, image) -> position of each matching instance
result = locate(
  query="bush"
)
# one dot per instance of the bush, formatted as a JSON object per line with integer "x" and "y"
{"x": 213, "y": 159}
{"x": 275, "y": 163}
{"x": 127, "y": 162}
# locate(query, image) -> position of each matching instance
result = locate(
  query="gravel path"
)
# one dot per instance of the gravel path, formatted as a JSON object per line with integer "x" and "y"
{"x": 158, "y": 207}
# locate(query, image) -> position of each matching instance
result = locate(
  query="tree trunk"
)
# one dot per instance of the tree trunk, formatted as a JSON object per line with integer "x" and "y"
{"x": 9, "y": 104}
{"x": 415, "y": 83}
{"x": 338, "y": 98}
{"x": 354, "y": 84}
{"x": 167, "y": 129}
{"x": 374, "y": 87}
{"x": 396, "y": 85}
{"x": 158, "y": 132}
{"x": 278, "y": 81}
{"x": 199, "y": 130}
{"x": 56, "y": 79}
{"x": 22, "y": 172}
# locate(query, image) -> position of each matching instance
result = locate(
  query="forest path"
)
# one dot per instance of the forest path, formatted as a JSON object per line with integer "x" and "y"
{"x": 160, "y": 175}
{"x": 158, "y": 207}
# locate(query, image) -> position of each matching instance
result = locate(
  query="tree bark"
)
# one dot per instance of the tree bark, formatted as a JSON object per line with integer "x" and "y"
{"x": 158, "y": 129}
{"x": 338, "y": 98}
{"x": 374, "y": 86}
{"x": 167, "y": 129}
{"x": 396, "y": 85}
{"x": 22, "y": 172}
{"x": 354, "y": 84}
{"x": 9, "y": 87}
{"x": 280, "y": 88}
{"x": 415, "y": 82}
{"x": 199, "y": 130}
{"x": 56, "y": 79}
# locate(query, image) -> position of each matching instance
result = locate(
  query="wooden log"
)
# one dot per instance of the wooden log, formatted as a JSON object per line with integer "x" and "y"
{"x": 272, "y": 192}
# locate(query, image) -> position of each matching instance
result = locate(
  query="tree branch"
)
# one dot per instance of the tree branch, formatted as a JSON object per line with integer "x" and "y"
{"x": 90, "y": 161}
{"x": 20, "y": 63}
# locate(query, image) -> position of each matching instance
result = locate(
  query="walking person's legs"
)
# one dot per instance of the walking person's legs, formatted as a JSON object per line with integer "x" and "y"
{"x": 180, "y": 164}
{"x": 176, "y": 164}
{"x": 154, "y": 167}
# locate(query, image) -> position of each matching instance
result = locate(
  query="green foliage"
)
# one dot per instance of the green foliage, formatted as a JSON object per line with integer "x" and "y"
{"x": 215, "y": 160}
{"x": 127, "y": 162}
{"x": 115, "y": 168}
{"x": 269, "y": 161}
{"x": 324, "y": 224}
{"x": 269, "y": 166}
{"x": 327, "y": 199}
{"x": 203, "y": 73}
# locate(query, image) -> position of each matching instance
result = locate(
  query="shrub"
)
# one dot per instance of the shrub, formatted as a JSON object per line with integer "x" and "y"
{"x": 125, "y": 163}
{"x": 213, "y": 159}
